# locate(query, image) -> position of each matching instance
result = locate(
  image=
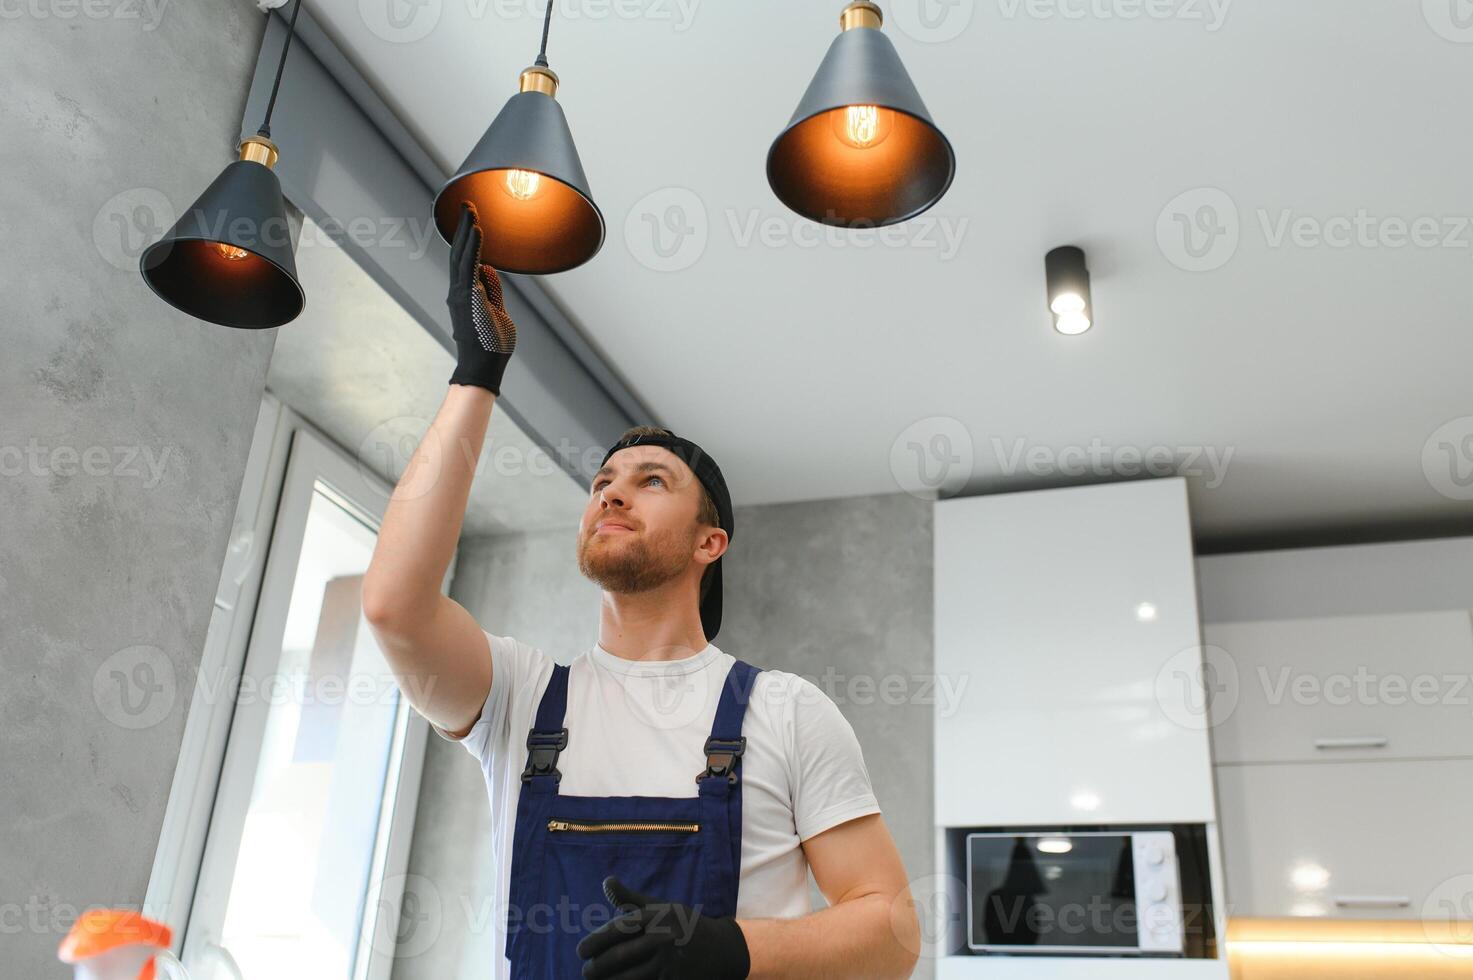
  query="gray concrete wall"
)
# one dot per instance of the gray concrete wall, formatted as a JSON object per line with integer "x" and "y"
{"x": 805, "y": 592}
{"x": 124, "y": 430}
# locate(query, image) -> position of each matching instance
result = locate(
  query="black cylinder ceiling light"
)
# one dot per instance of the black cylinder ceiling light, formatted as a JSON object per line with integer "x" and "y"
{"x": 1067, "y": 279}
{"x": 861, "y": 149}
{"x": 526, "y": 183}
{"x": 228, "y": 259}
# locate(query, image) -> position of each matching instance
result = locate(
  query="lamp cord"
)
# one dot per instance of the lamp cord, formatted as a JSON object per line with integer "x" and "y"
{"x": 546, "y": 24}
{"x": 291, "y": 31}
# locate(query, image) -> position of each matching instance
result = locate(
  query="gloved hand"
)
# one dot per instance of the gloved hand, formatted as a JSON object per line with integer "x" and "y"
{"x": 484, "y": 334}
{"x": 658, "y": 940}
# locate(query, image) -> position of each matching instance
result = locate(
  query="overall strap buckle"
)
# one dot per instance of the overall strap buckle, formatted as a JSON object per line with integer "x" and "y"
{"x": 721, "y": 757}
{"x": 543, "y": 749}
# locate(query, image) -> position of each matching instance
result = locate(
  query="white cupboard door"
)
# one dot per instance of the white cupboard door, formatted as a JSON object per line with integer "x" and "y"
{"x": 1353, "y": 840}
{"x": 1066, "y": 629}
{"x": 1345, "y": 688}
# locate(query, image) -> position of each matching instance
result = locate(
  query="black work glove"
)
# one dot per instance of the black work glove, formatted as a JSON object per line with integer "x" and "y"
{"x": 484, "y": 334}
{"x": 657, "y": 940}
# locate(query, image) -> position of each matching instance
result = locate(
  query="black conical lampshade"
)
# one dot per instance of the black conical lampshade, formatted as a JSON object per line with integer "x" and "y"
{"x": 524, "y": 177}
{"x": 229, "y": 259}
{"x": 861, "y": 149}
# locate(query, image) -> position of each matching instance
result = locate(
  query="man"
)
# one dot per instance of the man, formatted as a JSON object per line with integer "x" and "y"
{"x": 658, "y": 804}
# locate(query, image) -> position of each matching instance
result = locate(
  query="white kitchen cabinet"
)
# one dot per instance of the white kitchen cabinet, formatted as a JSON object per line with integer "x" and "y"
{"x": 1357, "y": 840}
{"x": 1066, "y": 623}
{"x": 1344, "y": 688}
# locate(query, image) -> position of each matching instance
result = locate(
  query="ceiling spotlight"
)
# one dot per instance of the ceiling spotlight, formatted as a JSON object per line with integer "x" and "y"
{"x": 1068, "y": 290}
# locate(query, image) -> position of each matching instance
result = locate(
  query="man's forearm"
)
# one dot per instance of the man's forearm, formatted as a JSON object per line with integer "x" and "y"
{"x": 869, "y": 936}
{"x": 424, "y": 517}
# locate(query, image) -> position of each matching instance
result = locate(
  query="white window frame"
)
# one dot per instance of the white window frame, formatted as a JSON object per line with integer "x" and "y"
{"x": 288, "y": 457}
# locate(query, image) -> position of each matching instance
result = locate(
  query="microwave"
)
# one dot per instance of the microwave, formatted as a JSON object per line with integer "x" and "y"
{"x": 1092, "y": 893}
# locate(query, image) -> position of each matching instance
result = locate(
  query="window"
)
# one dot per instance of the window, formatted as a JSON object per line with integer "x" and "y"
{"x": 290, "y": 819}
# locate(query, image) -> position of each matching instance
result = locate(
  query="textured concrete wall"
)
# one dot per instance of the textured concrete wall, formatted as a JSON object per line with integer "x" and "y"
{"x": 124, "y": 430}
{"x": 839, "y": 591}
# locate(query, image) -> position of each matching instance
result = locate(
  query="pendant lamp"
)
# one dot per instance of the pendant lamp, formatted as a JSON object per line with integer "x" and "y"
{"x": 228, "y": 259}
{"x": 527, "y": 184}
{"x": 861, "y": 149}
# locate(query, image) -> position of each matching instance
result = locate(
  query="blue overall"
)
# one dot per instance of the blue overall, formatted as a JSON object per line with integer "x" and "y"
{"x": 679, "y": 849}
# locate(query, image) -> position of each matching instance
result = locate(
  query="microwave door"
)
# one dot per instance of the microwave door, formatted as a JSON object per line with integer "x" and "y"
{"x": 1064, "y": 893}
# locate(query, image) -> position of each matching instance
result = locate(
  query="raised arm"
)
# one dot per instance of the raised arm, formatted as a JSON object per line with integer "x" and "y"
{"x": 432, "y": 644}
{"x": 434, "y": 647}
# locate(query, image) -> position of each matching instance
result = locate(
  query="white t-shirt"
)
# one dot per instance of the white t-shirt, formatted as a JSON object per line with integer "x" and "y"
{"x": 638, "y": 728}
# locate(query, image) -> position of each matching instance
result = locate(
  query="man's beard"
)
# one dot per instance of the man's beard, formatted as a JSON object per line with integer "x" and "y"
{"x": 647, "y": 562}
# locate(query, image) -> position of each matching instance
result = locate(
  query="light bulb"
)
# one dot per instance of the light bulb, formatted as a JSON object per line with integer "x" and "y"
{"x": 1067, "y": 303}
{"x": 231, "y": 252}
{"x": 522, "y": 184}
{"x": 863, "y": 126}
{"x": 1071, "y": 323}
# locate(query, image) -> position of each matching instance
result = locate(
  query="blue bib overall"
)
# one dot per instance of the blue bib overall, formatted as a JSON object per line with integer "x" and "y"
{"x": 684, "y": 850}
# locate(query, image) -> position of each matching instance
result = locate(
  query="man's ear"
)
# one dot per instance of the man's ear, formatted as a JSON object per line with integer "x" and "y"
{"x": 724, "y": 538}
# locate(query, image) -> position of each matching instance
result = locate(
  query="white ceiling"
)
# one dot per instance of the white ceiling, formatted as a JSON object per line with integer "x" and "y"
{"x": 1320, "y": 373}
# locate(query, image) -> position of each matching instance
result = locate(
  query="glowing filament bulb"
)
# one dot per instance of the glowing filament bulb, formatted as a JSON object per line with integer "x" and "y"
{"x": 522, "y": 184}
{"x": 862, "y": 123}
{"x": 862, "y": 126}
{"x": 231, "y": 252}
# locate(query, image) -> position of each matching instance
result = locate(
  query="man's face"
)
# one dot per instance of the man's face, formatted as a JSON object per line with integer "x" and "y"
{"x": 639, "y": 529}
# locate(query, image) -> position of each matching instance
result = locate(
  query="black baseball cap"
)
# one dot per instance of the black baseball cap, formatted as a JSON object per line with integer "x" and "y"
{"x": 706, "y": 470}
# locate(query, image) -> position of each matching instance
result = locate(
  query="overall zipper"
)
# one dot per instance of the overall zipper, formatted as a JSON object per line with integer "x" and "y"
{"x": 601, "y": 826}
